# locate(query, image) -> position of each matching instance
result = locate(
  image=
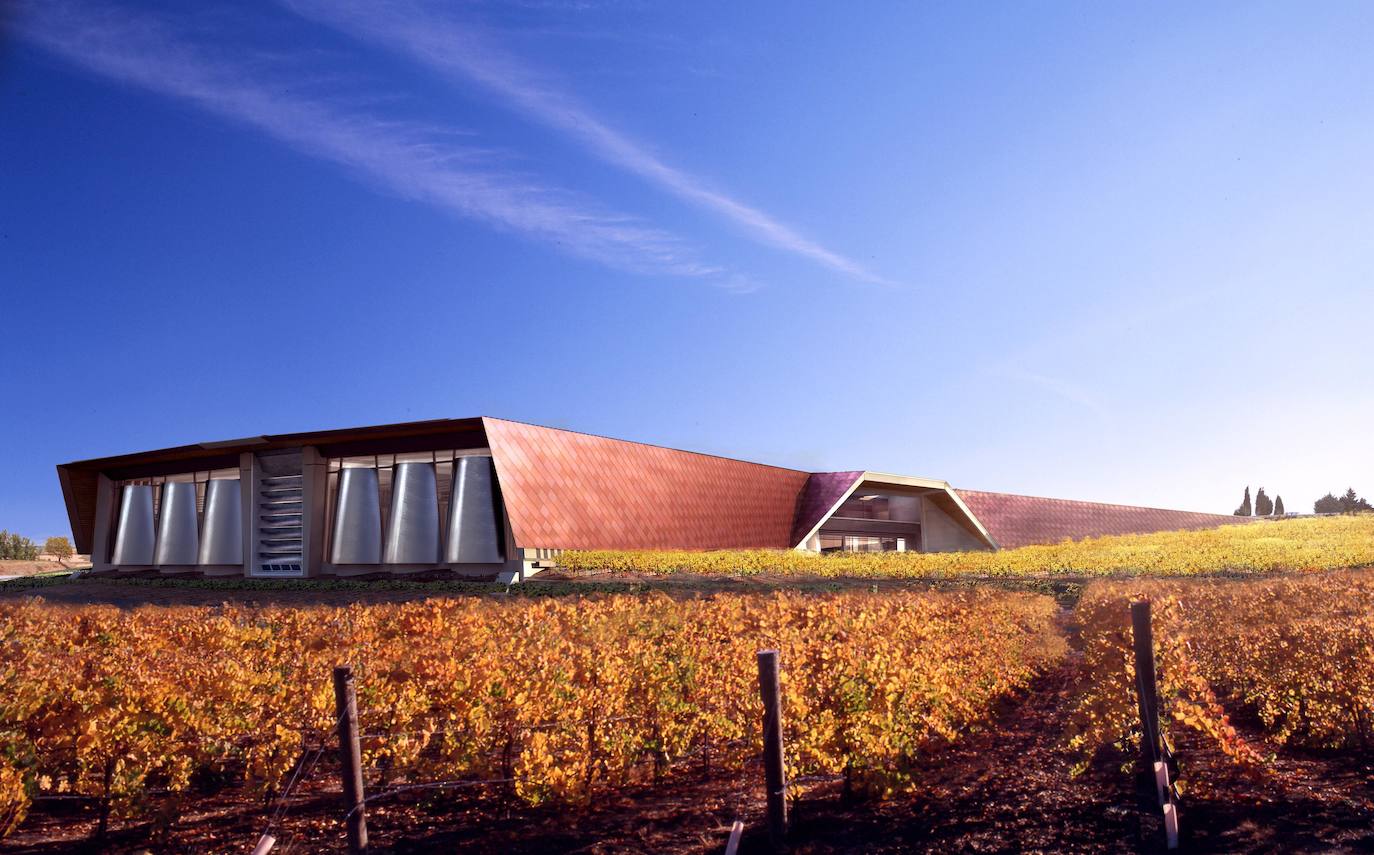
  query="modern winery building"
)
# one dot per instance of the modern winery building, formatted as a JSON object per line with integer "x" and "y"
{"x": 487, "y": 497}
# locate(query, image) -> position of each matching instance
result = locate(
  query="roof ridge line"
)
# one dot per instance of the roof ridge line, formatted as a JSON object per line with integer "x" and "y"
{"x": 652, "y": 445}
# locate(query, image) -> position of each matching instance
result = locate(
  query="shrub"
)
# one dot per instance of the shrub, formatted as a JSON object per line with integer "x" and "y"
{"x": 16, "y": 547}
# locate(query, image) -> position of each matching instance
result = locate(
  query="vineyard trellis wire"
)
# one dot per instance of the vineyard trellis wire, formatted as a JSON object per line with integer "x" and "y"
{"x": 357, "y": 799}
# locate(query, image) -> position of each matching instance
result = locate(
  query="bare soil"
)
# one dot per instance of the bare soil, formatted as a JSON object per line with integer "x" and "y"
{"x": 82, "y": 592}
{"x": 135, "y": 592}
{"x": 16, "y": 569}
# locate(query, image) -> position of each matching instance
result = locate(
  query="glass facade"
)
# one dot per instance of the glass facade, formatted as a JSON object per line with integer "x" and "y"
{"x": 878, "y": 506}
{"x": 862, "y": 543}
{"x": 874, "y": 522}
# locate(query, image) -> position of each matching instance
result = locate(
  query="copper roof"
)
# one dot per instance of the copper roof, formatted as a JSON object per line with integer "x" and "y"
{"x": 1015, "y": 520}
{"x": 566, "y": 490}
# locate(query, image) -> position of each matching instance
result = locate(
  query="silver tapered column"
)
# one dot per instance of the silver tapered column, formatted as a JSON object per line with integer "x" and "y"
{"x": 357, "y": 519}
{"x": 221, "y": 539}
{"x": 178, "y": 541}
{"x": 473, "y": 537}
{"x": 412, "y": 535}
{"x": 134, "y": 531}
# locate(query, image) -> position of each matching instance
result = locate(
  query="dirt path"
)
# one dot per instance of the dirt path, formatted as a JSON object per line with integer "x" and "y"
{"x": 685, "y": 814}
{"x": 1005, "y": 789}
{"x": 1303, "y": 802}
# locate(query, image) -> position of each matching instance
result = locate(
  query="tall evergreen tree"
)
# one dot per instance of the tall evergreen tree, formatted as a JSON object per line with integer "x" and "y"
{"x": 1278, "y": 506}
{"x": 1350, "y": 502}
{"x": 1327, "y": 504}
{"x": 1244, "y": 509}
{"x": 1263, "y": 506}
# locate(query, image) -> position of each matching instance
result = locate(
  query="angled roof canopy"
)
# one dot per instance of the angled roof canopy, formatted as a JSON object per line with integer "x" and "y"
{"x": 839, "y": 486}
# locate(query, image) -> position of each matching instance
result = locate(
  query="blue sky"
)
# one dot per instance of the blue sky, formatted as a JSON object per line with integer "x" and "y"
{"x": 1113, "y": 252}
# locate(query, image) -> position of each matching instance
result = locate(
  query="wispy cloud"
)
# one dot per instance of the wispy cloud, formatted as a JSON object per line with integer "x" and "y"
{"x": 412, "y": 160}
{"x": 1059, "y": 387}
{"x": 452, "y": 48}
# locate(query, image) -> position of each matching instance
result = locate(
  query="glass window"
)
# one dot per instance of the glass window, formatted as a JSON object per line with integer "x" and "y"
{"x": 832, "y": 542}
{"x": 865, "y": 507}
{"x": 840, "y": 542}
{"x": 869, "y": 543}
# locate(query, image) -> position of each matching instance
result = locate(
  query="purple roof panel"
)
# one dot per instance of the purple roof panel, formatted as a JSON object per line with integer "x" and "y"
{"x": 822, "y": 491}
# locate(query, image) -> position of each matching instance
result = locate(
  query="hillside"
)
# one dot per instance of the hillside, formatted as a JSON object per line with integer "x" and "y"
{"x": 1260, "y": 546}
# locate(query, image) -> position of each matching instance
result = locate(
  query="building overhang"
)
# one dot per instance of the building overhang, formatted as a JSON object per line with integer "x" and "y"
{"x": 940, "y": 492}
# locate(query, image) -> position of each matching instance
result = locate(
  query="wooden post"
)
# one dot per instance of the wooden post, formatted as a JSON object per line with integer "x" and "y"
{"x": 1162, "y": 782}
{"x": 1147, "y": 692}
{"x": 736, "y": 832}
{"x": 1152, "y": 752}
{"x": 774, "y": 774}
{"x": 350, "y": 759}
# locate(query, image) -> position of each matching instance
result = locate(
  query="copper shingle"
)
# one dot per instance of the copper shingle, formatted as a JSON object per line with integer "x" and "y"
{"x": 1014, "y": 520}
{"x": 566, "y": 490}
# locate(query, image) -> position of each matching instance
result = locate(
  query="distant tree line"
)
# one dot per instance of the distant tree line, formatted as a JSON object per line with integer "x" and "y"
{"x": 16, "y": 547}
{"x": 1349, "y": 503}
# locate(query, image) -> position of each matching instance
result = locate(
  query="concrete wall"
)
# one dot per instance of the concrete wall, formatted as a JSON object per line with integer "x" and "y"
{"x": 941, "y": 533}
{"x": 902, "y": 508}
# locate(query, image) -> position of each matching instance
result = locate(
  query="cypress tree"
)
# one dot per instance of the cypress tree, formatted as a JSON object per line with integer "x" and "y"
{"x": 1278, "y": 506}
{"x": 1244, "y": 509}
{"x": 1263, "y": 506}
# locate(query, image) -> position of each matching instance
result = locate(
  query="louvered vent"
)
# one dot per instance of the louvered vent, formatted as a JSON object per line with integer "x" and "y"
{"x": 280, "y": 488}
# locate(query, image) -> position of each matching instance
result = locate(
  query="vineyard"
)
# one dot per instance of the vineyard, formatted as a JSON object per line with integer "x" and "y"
{"x": 929, "y": 700}
{"x": 1294, "y": 655}
{"x": 1319, "y": 543}
{"x": 556, "y": 699}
